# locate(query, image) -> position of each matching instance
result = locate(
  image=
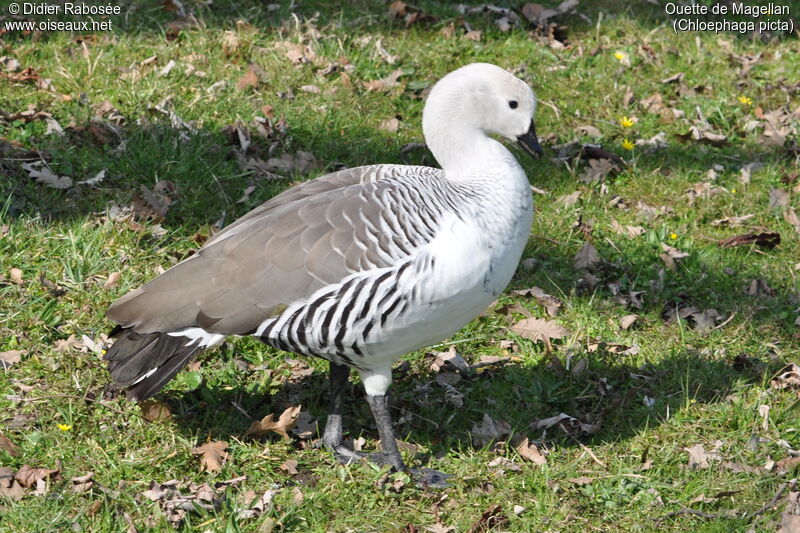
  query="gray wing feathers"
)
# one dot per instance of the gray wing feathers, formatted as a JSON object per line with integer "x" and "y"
{"x": 312, "y": 235}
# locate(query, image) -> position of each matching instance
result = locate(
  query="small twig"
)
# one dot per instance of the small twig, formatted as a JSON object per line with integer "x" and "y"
{"x": 548, "y": 239}
{"x": 725, "y": 323}
{"x": 774, "y": 501}
{"x": 686, "y": 510}
{"x": 589, "y": 451}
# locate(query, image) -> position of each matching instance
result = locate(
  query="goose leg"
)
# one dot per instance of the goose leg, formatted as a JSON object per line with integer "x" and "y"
{"x": 332, "y": 436}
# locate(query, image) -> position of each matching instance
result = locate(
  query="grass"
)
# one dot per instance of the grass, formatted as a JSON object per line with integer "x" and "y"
{"x": 66, "y": 244}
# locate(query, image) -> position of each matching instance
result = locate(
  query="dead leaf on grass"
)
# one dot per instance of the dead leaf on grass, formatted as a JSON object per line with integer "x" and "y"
{"x": 300, "y": 162}
{"x": 699, "y": 457}
{"x": 597, "y": 170}
{"x": 671, "y": 256}
{"x": 537, "y": 329}
{"x": 790, "y": 518}
{"x": 155, "y": 411}
{"x": 384, "y": 84}
{"x": 285, "y": 422}
{"x": 42, "y": 173}
{"x": 10, "y": 488}
{"x": 390, "y": 125}
{"x": 8, "y": 446}
{"x": 790, "y": 216}
{"x": 703, "y": 136}
{"x": 531, "y": 452}
{"x": 257, "y": 505}
{"x": 29, "y": 476}
{"x": 290, "y": 467}
{"x": 11, "y": 357}
{"x": 213, "y": 455}
{"x": 732, "y": 221}
{"x": 82, "y": 483}
{"x": 489, "y": 430}
{"x": 248, "y": 80}
{"x": 630, "y": 231}
{"x": 450, "y": 357}
{"x": 493, "y": 517}
{"x": 787, "y": 378}
{"x": 627, "y": 321}
{"x": 112, "y": 280}
{"x": 587, "y": 257}
{"x": 767, "y": 239}
{"x": 551, "y": 304}
{"x": 568, "y": 424}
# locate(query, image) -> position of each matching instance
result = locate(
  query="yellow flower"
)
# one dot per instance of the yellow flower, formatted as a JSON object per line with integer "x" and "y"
{"x": 626, "y": 122}
{"x": 628, "y": 144}
{"x": 745, "y": 100}
{"x": 64, "y": 427}
{"x": 733, "y": 191}
{"x": 620, "y": 56}
{"x": 673, "y": 236}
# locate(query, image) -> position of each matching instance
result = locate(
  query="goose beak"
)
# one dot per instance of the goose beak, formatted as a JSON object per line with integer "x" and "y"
{"x": 530, "y": 143}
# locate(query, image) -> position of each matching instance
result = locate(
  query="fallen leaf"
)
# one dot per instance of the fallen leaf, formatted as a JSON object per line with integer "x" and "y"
{"x": 758, "y": 288}
{"x": 16, "y": 275}
{"x": 699, "y": 458}
{"x": 10, "y": 488}
{"x": 474, "y": 35}
{"x": 703, "y": 189}
{"x": 569, "y": 199}
{"x": 384, "y": 84}
{"x": 703, "y": 136}
{"x": 112, "y": 280}
{"x": 628, "y": 320}
{"x": 597, "y": 170}
{"x": 8, "y": 446}
{"x": 671, "y": 256}
{"x": 766, "y": 239}
{"x": 778, "y": 198}
{"x": 630, "y": 231}
{"x": 790, "y": 216}
{"x": 537, "y": 329}
{"x": 587, "y": 257}
{"x": 551, "y": 304}
{"x": 732, "y": 221}
{"x": 230, "y": 43}
{"x": 588, "y": 130}
{"x": 213, "y": 455}
{"x": 790, "y": 518}
{"x": 492, "y": 517}
{"x": 285, "y": 422}
{"x": 42, "y": 173}
{"x": 530, "y": 452}
{"x": 489, "y": 430}
{"x": 11, "y": 357}
{"x": 91, "y": 182}
{"x": 82, "y": 483}
{"x": 155, "y": 411}
{"x": 312, "y": 89}
{"x": 450, "y": 357}
{"x": 29, "y": 476}
{"x": 248, "y": 80}
{"x": 390, "y": 124}
{"x": 568, "y": 424}
{"x": 290, "y": 467}
{"x": 301, "y": 162}
{"x": 257, "y": 506}
{"x": 789, "y": 377}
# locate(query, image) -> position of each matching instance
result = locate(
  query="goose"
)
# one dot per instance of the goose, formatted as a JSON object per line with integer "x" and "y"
{"x": 358, "y": 267}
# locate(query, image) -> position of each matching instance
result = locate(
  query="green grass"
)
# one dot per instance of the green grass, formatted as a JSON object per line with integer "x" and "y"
{"x": 67, "y": 238}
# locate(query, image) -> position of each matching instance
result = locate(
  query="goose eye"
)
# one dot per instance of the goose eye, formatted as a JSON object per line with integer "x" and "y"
{"x": 513, "y": 104}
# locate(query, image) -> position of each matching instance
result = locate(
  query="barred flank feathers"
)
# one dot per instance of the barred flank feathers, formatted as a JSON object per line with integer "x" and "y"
{"x": 134, "y": 355}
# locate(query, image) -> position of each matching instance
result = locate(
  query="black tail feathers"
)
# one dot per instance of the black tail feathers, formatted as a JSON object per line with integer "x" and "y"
{"x": 144, "y": 362}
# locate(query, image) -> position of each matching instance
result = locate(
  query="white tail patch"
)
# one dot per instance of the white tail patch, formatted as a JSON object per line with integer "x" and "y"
{"x": 145, "y": 376}
{"x": 200, "y": 335}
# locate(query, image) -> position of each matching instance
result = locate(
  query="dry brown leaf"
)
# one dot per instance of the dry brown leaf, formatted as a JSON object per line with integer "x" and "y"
{"x": 628, "y": 320}
{"x": 82, "y": 483}
{"x": 587, "y": 257}
{"x": 11, "y": 357}
{"x": 537, "y": 329}
{"x": 213, "y": 455}
{"x": 8, "y": 446}
{"x": 301, "y": 162}
{"x": 248, "y": 80}
{"x": 630, "y": 231}
{"x": 493, "y": 517}
{"x": 155, "y": 411}
{"x": 450, "y": 357}
{"x": 732, "y": 221}
{"x": 778, "y": 198}
{"x": 699, "y": 458}
{"x": 489, "y": 430}
{"x": 16, "y": 275}
{"x": 386, "y": 83}
{"x": 28, "y": 476}
{"x": 10, "y": 488}
{"x": 790, "y": 518}
{"x": 551, "y": 304}
{"x": 789, "y": 377}
{"x": 569, "y": 199}
{"x": 474, "y": 35}
{"x": 790, "y": 216}
{"x": 112, "y": 280}
{"x": 42, "y": 173}
{"x": 531, "y": 452}
{"x": 390, "y": 124}
{"x": 285, "y": 422}
{"x": 567, "y": 424}
{"x": 290, "y": 467}
{"x": 597, "y": 170}
{"x": 703, "y": 136}
{"x": 766, "y": 239}
{"x": 230, "y": 43}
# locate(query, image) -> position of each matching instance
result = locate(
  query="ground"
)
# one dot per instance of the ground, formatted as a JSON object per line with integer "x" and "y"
{"x": 664, "y": 252}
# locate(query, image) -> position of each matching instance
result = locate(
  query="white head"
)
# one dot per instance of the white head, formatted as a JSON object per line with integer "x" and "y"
{"x": 479, "y": 98}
